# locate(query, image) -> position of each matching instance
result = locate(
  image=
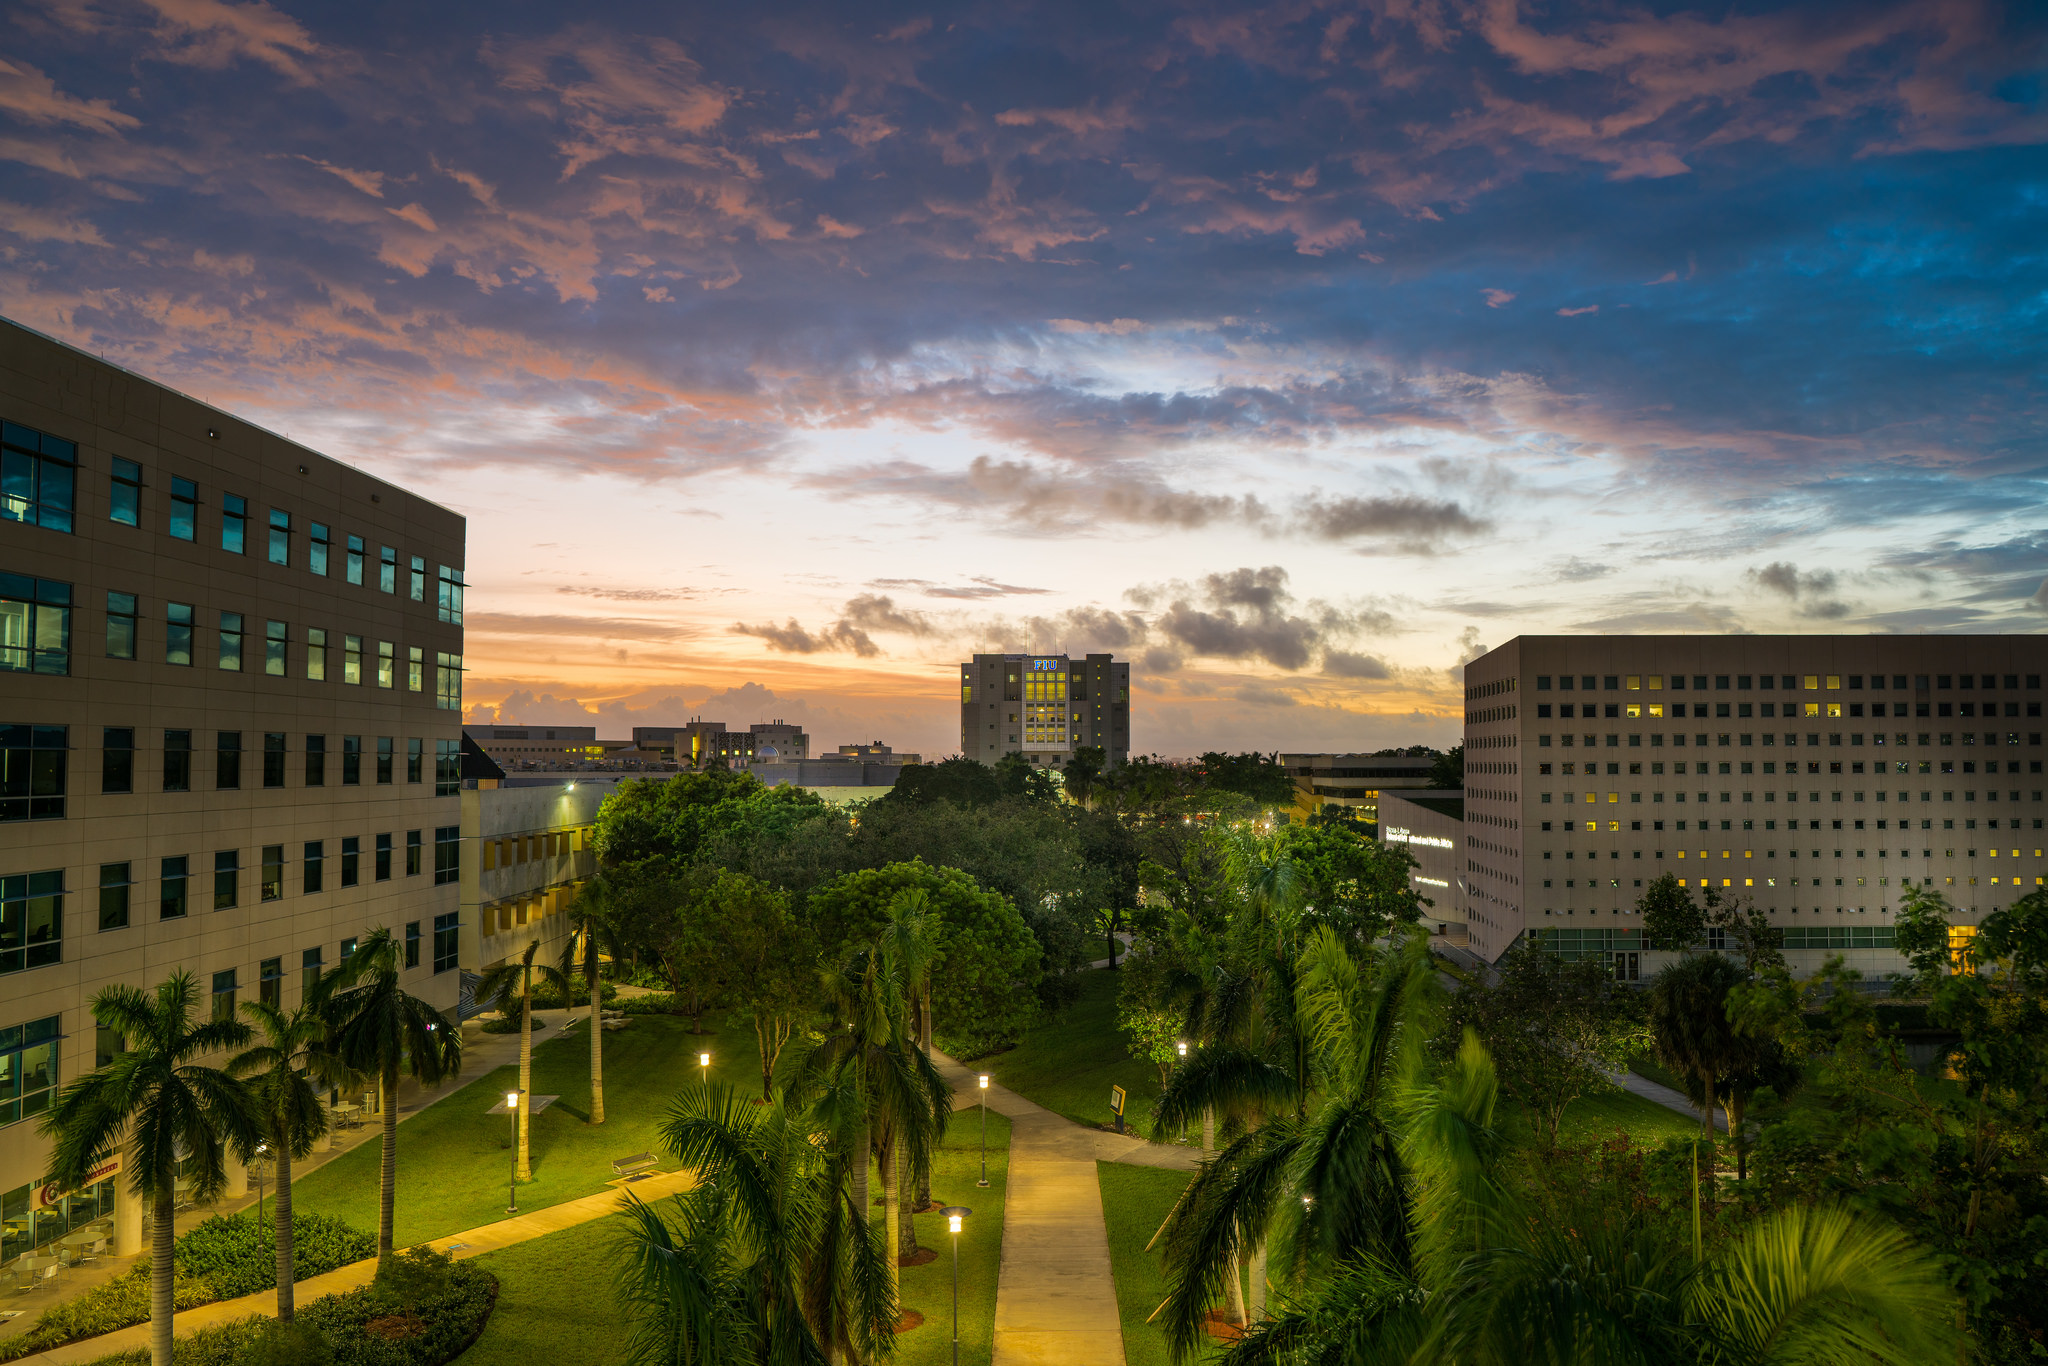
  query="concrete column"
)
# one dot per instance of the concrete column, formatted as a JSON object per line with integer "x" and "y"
{"x": 238, "y": 1179}
{"x": 127, "y": 1217}
{"x": 326, "y": 1139}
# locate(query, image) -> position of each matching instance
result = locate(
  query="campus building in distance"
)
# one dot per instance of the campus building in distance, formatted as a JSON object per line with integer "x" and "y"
{"x": 1353, "y": 782}
{"x": 1044, "y": 707}
{"x": 1814, "y": 776}
{"x": 230, "y": 702}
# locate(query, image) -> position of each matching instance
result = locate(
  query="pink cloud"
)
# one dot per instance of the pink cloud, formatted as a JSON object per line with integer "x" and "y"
{"x": 1575, "y": 312}
{"x": 1497, "y": 298}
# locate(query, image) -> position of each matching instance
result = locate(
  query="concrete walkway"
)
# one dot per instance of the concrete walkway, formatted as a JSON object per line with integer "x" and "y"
{"x": 1055, "y": 1296}
{"x": 469, "y": 1243}
{"x": 1660, "y": 1094}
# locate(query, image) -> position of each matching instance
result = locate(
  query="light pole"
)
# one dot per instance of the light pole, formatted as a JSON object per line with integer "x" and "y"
{"x": 984, "y": 1131}
{"x": 704, "y": 1069}
{"x": 954, "y": 1214}
{"x": 512, "y": 1181}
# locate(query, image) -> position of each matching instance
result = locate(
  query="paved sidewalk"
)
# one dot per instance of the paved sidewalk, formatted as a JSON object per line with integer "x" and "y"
{"x": 1671, "y": 1100}
{"x": 469, "y": 1243}
{"x": 1055, "y": 1296}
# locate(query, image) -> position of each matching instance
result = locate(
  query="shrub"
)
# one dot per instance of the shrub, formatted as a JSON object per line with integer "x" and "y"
{"x": 579, "y": 995}
{"x": 655, "y": 1003}
{"x": 284, "y": 1344}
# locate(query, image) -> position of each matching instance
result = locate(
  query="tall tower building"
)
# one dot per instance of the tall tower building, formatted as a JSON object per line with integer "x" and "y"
{"x": 1044, "y": 707}
{"x": 230, "y": 726}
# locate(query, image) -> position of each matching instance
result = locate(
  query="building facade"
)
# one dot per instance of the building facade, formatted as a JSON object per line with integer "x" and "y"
{"x": 230, "y": 701}
{"x": 1353, "y": 782}
{"x": 516, "y": 748}
{"x": 1813, "y": 776}
{"x": 530, "y": 848}
{"x": 1430, "y": 826}
{"x": 1044, "y": 707}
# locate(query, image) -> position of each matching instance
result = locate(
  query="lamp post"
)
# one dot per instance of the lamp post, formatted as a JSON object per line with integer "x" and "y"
{"x": 984, "y": 1131}
{"x": 704, "y": 1069}
{"x": 512, "y": 1181}
{"x": 954, "y": 1214}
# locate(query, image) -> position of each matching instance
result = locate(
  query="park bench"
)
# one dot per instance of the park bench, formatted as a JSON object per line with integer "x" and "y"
{"x": 639, "y": 1164}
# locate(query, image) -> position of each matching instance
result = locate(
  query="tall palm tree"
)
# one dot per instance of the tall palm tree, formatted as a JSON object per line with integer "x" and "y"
{"x": 281, "y": 1074}
{"x": 510, "y": 986}
{"x": 595, "y": 936}
{"x": 910, "y": 941}
{"x": 168, "y": 1105}
{"x": 383, "y": 1032}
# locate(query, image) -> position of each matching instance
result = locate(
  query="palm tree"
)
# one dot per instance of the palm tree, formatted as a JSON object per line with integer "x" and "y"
{"x": 509, "y": 986}
{"x": 382, "y": 1032}
{"x": 768, "y": 1259}
{"x": 595, "y": 934}
{"x": 167, "y": 1104}
{"x": 280, "y": 1074}
{"x": 910, "y": 940}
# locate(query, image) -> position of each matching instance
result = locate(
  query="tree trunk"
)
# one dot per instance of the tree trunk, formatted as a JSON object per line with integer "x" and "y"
{"x": 594, "y": 975}
{"x": 924, "y": 1185}
{"x": 1233, "y": 1292}
{"x": 387, "y": 1194}
{"x": 1735, "y": 1104}
{"x": 525, "y": 1079}
{"x": 1713, "y": 1152}
{"x": 696, "y": 1010}
{"x": 284, "y": 1232}
{"x": 906, "y": 1220}
{"x": 161, "y": 1236}
{"x": 863, "y": 1144}
{"x": 1259, "y": 1282}
{"x": 892, "y": 1220}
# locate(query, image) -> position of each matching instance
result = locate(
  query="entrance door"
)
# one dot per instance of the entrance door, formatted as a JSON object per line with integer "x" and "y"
{"x": 1627, "y": 966}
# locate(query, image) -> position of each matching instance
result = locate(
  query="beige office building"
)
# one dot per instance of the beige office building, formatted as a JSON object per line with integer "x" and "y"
{"x": 1816, "y": 776}
{"x": 230, "y": 700}
{"x": 533, "y": 849}
{"x": 1044, "y": 707}
{"x": 1353, "y": 782}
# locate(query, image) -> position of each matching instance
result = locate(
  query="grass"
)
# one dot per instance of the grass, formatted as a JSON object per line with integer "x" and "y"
{"x": 1592, "y": 1119}
{"x": 454, "y": 1159}
{"x": 929, "y": 1289}
{"x": 554, "y": 1302}
{"x": 1135, "y": 1202}
{"x": 1068, "y": 1064}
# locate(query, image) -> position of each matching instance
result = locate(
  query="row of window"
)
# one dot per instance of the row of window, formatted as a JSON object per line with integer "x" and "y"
{"x": 1657, "y": 798}
{"x": 39, "y": 486}
{"x": 34, "y": 764}
{"x": 1928, "y": 766}
{"x": 1769, "y": 710}
{"x": 1723, "y": 739}
{"x": 1783, "y": 682}
{"x": 32, "y": 904}
{"x": 35, "y": 637}
{"x": 1577, "y": 944}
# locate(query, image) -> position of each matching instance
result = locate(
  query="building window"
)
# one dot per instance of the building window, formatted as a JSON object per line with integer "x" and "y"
{"x": 384, "y": 761}
{"x": 231, "y": 641}
{"x": 280, "y": 537}
{"x": 271, "y": 888}
{"x": 387, "y": 570}
{"x": 38, "y": 478}
{"x": 414, "y": 761}
{"x": 234, "y": 524}
{"x": 121, "y": 625}
{"x": 412, "y": 943}
{"x": 412, "y": 853}
{"x": 383, "y": 857}
{"x": 125, "y": 506}
{"x": 315, "y": 867}
{"x": 447, "y": 940}
{"x": 316, "y": 761}
{"x": 28, "y": 1069}
{"x": 178, "y": 634}
{"x": 114, "y": 884}
{"x": 447, "y": 767}
{"x": 387, "y": 665}
{"x": 355, "y": 560}
{"x": 448, "y": 682}
{"x": 31, "y": 920}
{"x": 227, "y": 760}
{"x": 35, "y": 625}
{"x": 177, "y": 761}
{"x": 270, "y": 983}
{"x": 419, "y": 579}
{"x": 34, "y": 763}
{"x": 170, "y": 897}
{"x": 227, "y": 879}
{"x": 224, "y": 995}
{"x": 316, "y": 654}
{"x": 117, "y": 759}
{"x": 184, "y": 509}
{"x": 273, "y": 758}
{"x": 316, "y": 548}
{"x": 309, "y": 972}
{"x": 107, "y": 1044}
{"x": 447, "y": 854}
{"x": 351, "y": 861}
{"x": 450, "y": 602}
{"x": 351, "y": 761}
{"x": 352, "y": 659}
{"x": 415, "y": 668}
{"x": 276, "y": 643}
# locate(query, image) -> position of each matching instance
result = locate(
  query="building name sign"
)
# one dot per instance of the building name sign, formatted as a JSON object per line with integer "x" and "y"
{"x": 51, "y": 1194}
{"x": 1397, "y": 835}
{"x": 1431, "y": 881}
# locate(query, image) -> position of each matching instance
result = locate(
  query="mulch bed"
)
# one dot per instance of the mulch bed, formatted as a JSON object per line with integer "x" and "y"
{"x": 911, "y": 1319}
{"x": 924, "y": 1256}
{"x": 1216, "y": 1323}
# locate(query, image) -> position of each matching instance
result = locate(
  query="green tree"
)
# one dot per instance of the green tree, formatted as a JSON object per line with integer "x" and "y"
{"x": 509, "y": 988}
{"x": 381, "y": 1032}
{"x": 1447, "y": 771}
{"x": 1084, "y": 771}
{"x": 772, "y": 960}
{"x": 1671, "y": 918}
{"x": 176, "y": 1113}
{"x": 1359, "y": 887}
{"x": 595, "y": 914}
{"x": 280, "y": 1074}
{"x": 1696, "y": 1038}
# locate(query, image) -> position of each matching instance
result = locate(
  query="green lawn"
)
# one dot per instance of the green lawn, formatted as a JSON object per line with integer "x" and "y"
{"x": 1069, "y": 1063}
{"x": 1591, "y": 1119}
{"x": 929, "y": 1289}
{"x": 454, "y": 1158}
{"x": 1135, "y": 1202}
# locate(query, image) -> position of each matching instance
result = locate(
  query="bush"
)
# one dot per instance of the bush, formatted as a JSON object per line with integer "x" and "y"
{"x": 284, "y": 1344}
{"x": 546, "y": 996}
{"x": 656, "y": 1003}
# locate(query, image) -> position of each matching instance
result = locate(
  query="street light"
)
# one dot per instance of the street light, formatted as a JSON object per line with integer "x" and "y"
{"x": 704, "y": 1069}
{"x": 954, "y": 1214}
{"x": 1181, "y": 1047}
{"x": 512, "y": 1181}
{"x": 984, "y": 1131}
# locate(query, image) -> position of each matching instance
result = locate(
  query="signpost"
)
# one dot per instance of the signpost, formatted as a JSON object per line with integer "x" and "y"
{"x": 1116, "y": 1103}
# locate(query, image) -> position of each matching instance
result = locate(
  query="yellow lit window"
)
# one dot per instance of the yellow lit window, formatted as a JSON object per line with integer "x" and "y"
{"x": 1656, "y": 709}
{"x": 1813, "y": 682}
{"x": 1592, "y": 825}
{"x": 1747, "y": 854}
{"x": 1724, "y": 853}
{"x": 1635, "y": 682}
{"x": 1681, "y": 853}
{"x": 1994, "y": 853}
{"x": 1656, "y": 682}
{"x": 1592, "y": 797}
{"x": 1726, "y": 882}
{"x": 1834, "y": 682}
{"x": 1834, "y": 709}
{"x": 1614, "y": 825}
{"x": 1813, "y": 709}
{"x": 1614, "y": 796}
{"x": 1749, "y": 882}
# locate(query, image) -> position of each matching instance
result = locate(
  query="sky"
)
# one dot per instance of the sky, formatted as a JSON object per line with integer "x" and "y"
{"x": 781, "y": 355}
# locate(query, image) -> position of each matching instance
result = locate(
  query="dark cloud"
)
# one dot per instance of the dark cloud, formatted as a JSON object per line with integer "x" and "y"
{"x": 976, "y": 588}
{"x": 1811, "y": 592}
{"x": 1251, "y": 614}
{"x": 1344, "y": 664}
{"x": 1408, "y": 523}
{"x": 792, "y": 638}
